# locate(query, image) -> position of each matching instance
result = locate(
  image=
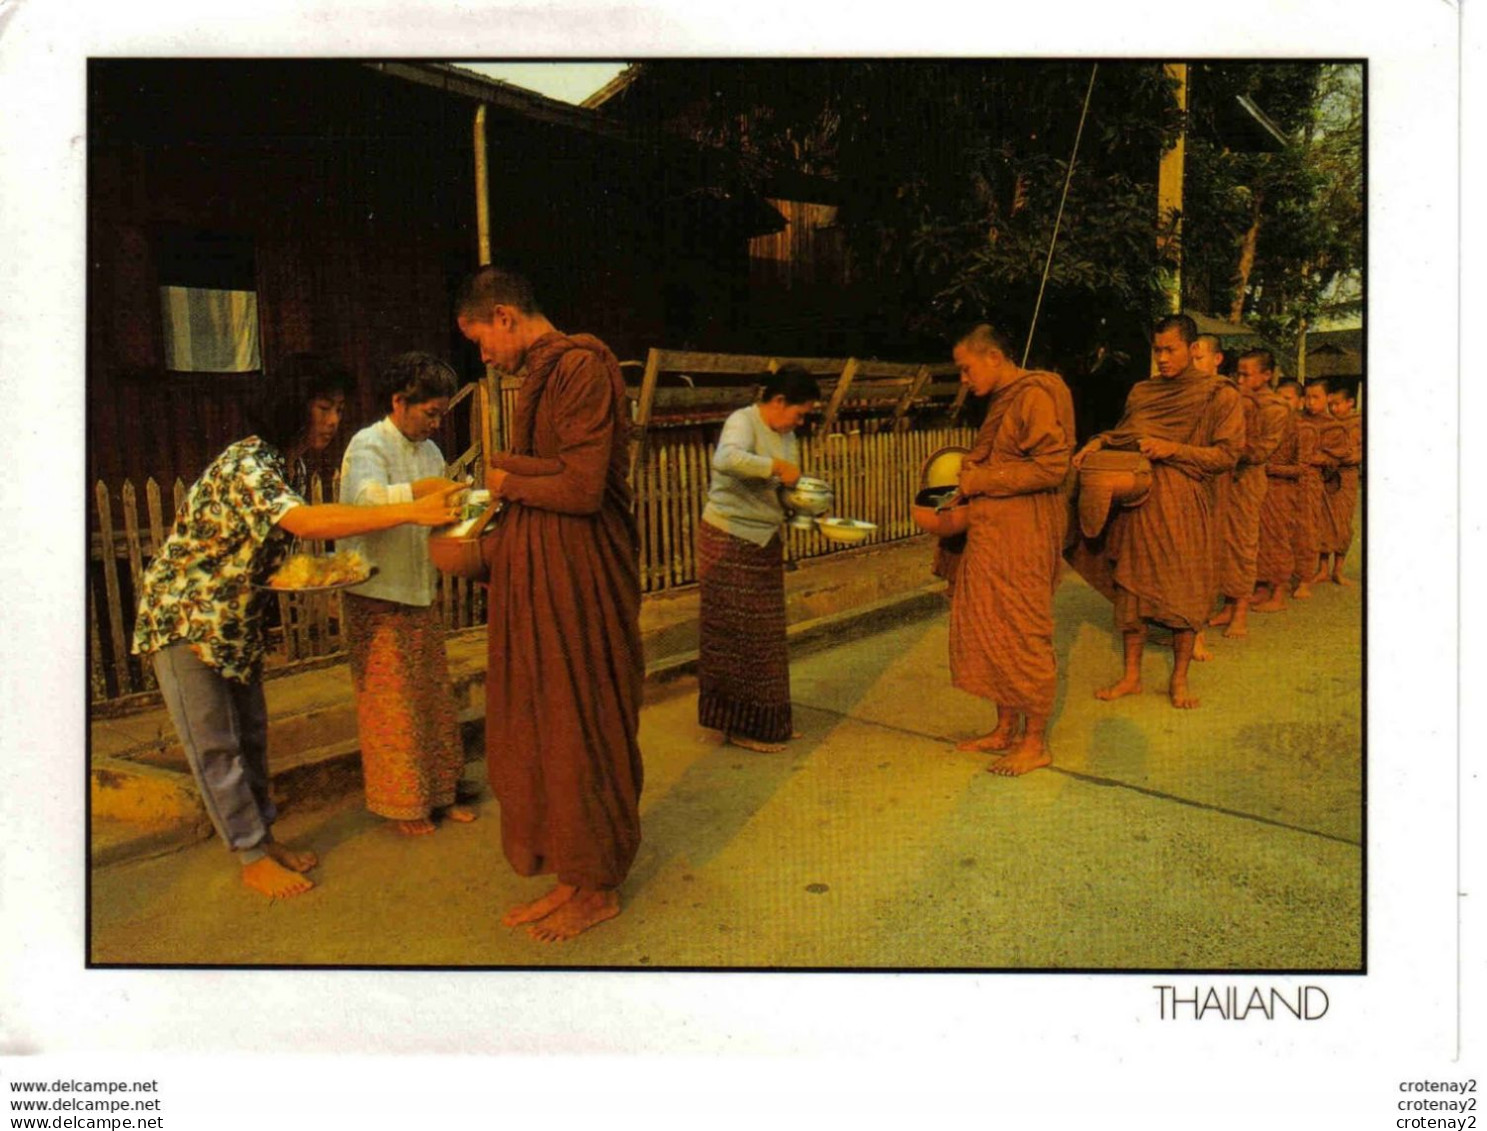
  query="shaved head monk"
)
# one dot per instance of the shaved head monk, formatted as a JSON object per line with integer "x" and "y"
{"x": 1323, "y": 445}
{"x": 1266, "y": 417}
{"x": 1001, "y": 610}
{"x": 1340, "y": 497}
{"x": 1208, "y": 359}
{"x": 1275, "y": 562}
{"x": 564, "y": 678}
{"x": 1155, "y": 561}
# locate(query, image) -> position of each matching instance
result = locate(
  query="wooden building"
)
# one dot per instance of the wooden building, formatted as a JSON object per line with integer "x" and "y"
{"x": 337, "y": 201}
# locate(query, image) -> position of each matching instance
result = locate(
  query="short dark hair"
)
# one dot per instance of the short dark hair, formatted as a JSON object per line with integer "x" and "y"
{"x": 1322, "y": 381}
{"x": 984, "y": 337}
{"x": 418, "y": 376}
{"x": 1288, "y": 383}
{"x": 493, "y": 286}
{"x": 1186, "y": 328}
{"x": 791, "y": 381}
{"x": 280, "y": 413}
{"x": 1213, "y": 340}
{"x": 1264, "y": 357}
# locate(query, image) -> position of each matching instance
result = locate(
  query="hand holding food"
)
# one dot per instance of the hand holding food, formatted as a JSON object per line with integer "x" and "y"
{"x": 439, "y": 508}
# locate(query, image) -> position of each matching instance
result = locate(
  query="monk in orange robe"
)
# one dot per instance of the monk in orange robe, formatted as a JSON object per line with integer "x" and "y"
{"x": 1265, "y": 419}
{"x": 1001, "y": 610}
{"x": 563, "y": 685}
{"x": 1155, "y": 561}
{"x": 1323, "y": 445}
{"x": 1340, "y": 494}
{"x": 1276, "y": 560}
{"x": 1207, "y": 356}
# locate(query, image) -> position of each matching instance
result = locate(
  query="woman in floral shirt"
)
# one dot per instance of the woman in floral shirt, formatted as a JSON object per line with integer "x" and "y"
{"x": 201, "y": 620}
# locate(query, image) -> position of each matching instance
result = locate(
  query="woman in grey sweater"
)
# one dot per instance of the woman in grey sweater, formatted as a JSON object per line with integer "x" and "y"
{"x": 743, "y": 670}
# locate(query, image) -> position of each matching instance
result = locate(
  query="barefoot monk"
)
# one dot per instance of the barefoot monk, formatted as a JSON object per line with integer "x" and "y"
{"x": 1275, "y": 561}
{"x": 564, "y": 678}
{"x": 1323, "y": 444}
{"x": 1155, "y": 561}
{"x": 1001, "y": 611}
{"x": 1265, "y": 418}
{"x": 1340, "y": 498}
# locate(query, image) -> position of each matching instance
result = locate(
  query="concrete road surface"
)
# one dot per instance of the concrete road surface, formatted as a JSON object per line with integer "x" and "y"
{"x": 1225, "y": 837}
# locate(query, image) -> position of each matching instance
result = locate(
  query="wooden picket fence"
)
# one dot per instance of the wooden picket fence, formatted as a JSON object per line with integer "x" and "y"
{"x": 874, "y": 475}
{"x": 309, "y": 626}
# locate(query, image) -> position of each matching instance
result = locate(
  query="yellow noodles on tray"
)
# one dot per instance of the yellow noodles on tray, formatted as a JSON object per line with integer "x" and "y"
{"x": 306, "y": 571}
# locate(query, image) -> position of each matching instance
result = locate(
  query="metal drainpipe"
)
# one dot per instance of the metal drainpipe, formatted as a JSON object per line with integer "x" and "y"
{"x": 492, "y": 438}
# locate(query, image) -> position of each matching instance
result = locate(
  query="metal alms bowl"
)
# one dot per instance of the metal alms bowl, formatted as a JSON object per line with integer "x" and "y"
{"x": 809, "y": 496}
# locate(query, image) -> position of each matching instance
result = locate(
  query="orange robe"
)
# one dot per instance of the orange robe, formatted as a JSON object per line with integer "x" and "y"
{"x": 1155, "y": 561}
{"x": 1265, "y": 415}
{"x": 1001, "y": 610}
{"x": 1340, "y": 492}
{"x": 1276, "y": 560}
{"x": 564, "y": 679}
{"x": 1323, "y": 444}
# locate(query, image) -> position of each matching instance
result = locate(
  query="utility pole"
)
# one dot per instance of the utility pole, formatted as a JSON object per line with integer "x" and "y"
{"x": 1169, "y": 196}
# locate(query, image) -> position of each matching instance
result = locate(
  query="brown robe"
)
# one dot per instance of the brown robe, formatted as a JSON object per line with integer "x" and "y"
{"x": 1276, "y": 561}
{"x": 1265, "y": 414}
{"x": 1340, "y": 491}
{"x": 1155, "y": 561}
{"x": 1323, "y": 444}
{"x": 564, "y": 679}
{"x": 1001, "y": 611}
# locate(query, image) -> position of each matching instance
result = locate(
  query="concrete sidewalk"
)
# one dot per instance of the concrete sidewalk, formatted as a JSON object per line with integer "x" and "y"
{"x": 1228, "y": 837}
{"x": 144, "y": 800}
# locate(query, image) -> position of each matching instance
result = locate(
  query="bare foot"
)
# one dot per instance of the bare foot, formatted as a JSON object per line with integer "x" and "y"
{"x": 421, "y": 827}
{"x": 537, "y": 908}
{"x": 1126, "y": 686}
{"x": 1178, "y": 691}
{"x": 998, "y": 740}
{"x": 1302, "y": 591}
{"x": 586, "y": 909}
{"x": 1200, "y": 649}
{"x": 1027, "y": 756}
{"x": 1273, "y": 604}
{"x": 1234, "y": 632}
{"x": 1320, "y": 577}
{"x": 294, "y": 861}
{"x": 1222, "y": 617}
{"x": 755, "y": 745}
{"x": 1339, "y": 579}
{"x": 268, "y": 877}
{"x": 459, "y": 814}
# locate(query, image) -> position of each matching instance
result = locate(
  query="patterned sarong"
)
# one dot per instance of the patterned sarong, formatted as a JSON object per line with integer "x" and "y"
{"x": 411, "y": 753}
{"x": 743, "y": 666}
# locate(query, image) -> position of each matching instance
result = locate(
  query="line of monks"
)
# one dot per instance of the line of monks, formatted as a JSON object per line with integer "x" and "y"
{"x": 1252, "y": 488}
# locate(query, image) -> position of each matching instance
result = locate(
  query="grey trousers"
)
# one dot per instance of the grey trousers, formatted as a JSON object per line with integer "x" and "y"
{"x": 224, "y": 727}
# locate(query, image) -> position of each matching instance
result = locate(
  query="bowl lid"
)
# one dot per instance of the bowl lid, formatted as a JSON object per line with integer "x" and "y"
{"x": 942, "y": 469}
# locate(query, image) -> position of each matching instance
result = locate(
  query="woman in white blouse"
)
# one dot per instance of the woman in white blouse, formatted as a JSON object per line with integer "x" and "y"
{"x": 412, "y": 756}
{"x": 743, "y": 668}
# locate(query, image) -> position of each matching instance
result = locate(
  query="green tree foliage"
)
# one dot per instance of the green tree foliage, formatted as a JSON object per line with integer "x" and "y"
{"x": 1297, "y": 208}
{"x": 950, "y": 174}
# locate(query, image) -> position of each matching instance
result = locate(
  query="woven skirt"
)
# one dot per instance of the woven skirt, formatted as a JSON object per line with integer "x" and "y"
{"x": 743, "y": 666}
{"x": 411, "y": 753}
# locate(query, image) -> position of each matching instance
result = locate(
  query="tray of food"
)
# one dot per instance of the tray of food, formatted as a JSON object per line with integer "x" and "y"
{"x": 845, "y": 530}
{"x": 320, "y": 573}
